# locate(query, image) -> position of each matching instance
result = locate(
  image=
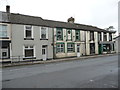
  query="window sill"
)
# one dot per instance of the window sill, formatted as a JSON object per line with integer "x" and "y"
{"x": 43, "y": 39}
{"x": 59, "y": 40}
{"x": 68, "y": 40}
{"x": 28, "y": 58}
{"x": 4, "y": 37}
{"x": 59, "y": 52}
{"x": 91, "y": 40}
{"x": 28, "y": 38}
{"x": 70, "y": 52}
{"x": 77, "y": 41}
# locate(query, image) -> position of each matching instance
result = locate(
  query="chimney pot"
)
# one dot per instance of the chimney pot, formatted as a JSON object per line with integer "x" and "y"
{"x": 8, "y": 9}
{"x": 71, "y": 20}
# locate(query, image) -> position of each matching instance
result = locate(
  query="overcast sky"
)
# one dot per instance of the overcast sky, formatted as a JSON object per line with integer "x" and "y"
{"x": 100, "y": 13}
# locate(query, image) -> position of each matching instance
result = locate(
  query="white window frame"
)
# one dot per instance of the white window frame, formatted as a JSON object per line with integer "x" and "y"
{"x": 60, "y": 48}
{"x": 61, "y": 30}
{"x": 31, "y": 31}
{"x": 4, "y": 31}
{"x": 34, "y": 54}
{"x": 104, "y": 36}
{"x": 71, "y": 47}
{"x": 46, "y": 29}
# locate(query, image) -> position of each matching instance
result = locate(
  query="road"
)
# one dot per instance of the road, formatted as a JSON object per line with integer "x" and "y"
{"x": 99, "y": 72}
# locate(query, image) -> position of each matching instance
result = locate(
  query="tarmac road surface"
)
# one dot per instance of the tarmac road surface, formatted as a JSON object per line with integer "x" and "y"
{"x": 99, "y": 72}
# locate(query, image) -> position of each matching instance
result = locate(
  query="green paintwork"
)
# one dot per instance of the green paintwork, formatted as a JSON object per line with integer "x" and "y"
{"x": 79, "y": 35}
{"x": 61, "y": 43}
{"x": 100, "y": 49}
{"x": 57, "y": 33}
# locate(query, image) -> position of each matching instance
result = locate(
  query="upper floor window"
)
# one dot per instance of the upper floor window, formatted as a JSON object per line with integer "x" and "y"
{"x": 92, "y": 36}
{"x": 70, "y": 47}
{"x": 43, "y": 33}
{"x": 69, "y": 34}
{"x": 28, "y": 31}
{"x": 99, "y": 36}
{"x": 110, "y": 36}
{"x": 77, "y": 32}
{"x": 3, "y": 30}
{"x": 105, "y": 36}
{"x": 59, "y": 33}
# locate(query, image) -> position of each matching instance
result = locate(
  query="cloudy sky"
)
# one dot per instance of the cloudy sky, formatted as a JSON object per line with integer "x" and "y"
{"x": 100, "y": 13}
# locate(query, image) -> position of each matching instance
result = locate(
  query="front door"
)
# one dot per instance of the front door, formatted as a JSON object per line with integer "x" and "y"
{"x": 44, "y": 56}
{"x": 78, "y": 50}
{"x": 92, "y": 48}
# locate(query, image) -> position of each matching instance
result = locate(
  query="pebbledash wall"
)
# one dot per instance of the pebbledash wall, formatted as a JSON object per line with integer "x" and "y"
{"x": 18, "y": 42}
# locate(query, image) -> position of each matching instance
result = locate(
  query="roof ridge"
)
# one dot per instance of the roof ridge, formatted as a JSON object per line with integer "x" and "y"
{"x": 52, "y": 23}
{"x": 26, "y": 15}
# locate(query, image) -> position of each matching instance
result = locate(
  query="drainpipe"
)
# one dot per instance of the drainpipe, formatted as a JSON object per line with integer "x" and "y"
{"x": 85, "y": 42}
{"x": 53, "y": 44}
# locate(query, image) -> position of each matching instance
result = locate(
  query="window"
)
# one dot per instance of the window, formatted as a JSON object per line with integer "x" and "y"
{"x": 92, "y": 36}
{"x": 60, "y": 48}
{"x": 78, "y": 48}
{"x": 29, "y": 51}
{"x": 106, "y": 47}
{"x": 4, "y": 54}
{"x": 3, "y": 30}
{"x": 77, "y": 32}
{"x": 70, "y": 47}
{"x": 44, "y": 33}
{"x": 59, "y": 34}
{"x": 105, "y": 36}
{"x": 43, "y": 51}
{"x": 99, "y": 36}
{"x": 28, "y": 31}
{"x": 110, "y": 36}
{"x": 69, "y": 34}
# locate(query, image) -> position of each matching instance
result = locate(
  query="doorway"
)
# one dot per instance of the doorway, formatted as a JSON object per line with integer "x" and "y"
{"x": 44, "y": 52}
{"x": 78, "y": 50}
{"x": 92, "y": 48}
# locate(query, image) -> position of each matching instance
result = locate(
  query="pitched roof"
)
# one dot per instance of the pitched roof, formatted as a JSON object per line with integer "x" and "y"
{"x": 117, "y": 37}
{"x": 38, "y": 21}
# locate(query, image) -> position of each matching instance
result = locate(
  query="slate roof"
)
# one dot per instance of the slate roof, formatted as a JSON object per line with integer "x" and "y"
{"x": 38, "y": 21}
{"x": 117, "y": 37}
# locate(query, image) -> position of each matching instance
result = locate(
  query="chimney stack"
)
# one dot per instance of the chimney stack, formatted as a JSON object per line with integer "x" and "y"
{"x": 71, "y": 20}
{"x": 8, "y": 9}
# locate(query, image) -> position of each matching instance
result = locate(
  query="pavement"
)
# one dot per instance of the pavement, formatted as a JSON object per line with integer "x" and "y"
{"x": 53, "y": 60}
{"x": 100, "y": 72}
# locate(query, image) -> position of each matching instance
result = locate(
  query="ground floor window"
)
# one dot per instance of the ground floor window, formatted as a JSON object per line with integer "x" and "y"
{"x": 59, "y": 47}
{"x": 106, "y": 47}
{"x": 70, "y": 47}
{"x": 29, "y": 51}
{"x": 78, "y": 48}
